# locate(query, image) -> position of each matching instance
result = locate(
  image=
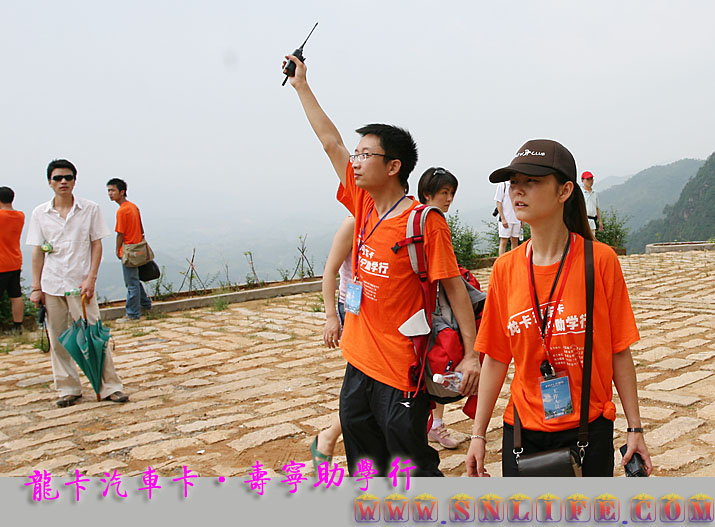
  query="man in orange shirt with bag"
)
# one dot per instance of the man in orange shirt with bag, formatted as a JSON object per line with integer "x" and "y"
{"x": 129, "y": 231}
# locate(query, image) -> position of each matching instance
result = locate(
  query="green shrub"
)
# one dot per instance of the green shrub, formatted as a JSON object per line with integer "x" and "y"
{"x": 464, "y": 241}
{"x": 615, "y": 232}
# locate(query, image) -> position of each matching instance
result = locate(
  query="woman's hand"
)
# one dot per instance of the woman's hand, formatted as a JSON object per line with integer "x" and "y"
{"x": 636, "y": 443}
{"x": 475, "y": 459}
{"x": 331, "y": 333}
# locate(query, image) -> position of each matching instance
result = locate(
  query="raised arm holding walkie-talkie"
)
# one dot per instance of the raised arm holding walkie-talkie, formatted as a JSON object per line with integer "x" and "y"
{"x": 289, "y": 68}
{"x": 295, "y": 70}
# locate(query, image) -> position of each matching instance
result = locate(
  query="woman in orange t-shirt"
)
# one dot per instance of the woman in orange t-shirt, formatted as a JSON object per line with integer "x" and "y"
{"x": 547, "y": 343}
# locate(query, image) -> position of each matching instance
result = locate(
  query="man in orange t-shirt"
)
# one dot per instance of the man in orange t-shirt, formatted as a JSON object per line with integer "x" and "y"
{"x": 11, "y": 223}
{"x": 129, "y": 230}
{"x": 383, "y": 415}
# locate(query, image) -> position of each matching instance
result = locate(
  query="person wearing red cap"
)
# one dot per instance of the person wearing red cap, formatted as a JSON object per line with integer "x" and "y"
{"x": 591, "y": 196}
{"x": 536, "y": 315}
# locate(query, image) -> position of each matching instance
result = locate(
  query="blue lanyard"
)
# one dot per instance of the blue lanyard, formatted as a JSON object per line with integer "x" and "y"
{"x": 362, "y": 233}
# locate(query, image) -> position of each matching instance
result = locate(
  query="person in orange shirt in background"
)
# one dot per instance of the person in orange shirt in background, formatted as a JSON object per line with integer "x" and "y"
{"x": 11, "y": 223}
{"x": 129, "y": 230}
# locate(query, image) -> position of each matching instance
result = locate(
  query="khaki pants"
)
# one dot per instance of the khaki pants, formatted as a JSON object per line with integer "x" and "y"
{"x": 64, "y": 368}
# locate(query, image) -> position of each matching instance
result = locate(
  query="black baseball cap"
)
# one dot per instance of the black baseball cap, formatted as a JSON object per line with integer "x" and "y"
{"x": 538, "y": 157}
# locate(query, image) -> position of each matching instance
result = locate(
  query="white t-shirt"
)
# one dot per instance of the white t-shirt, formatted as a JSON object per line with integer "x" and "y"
{"x": 502, "y": 196}
{"x": 68, "y": 264}
{"x": 591, "y": 206}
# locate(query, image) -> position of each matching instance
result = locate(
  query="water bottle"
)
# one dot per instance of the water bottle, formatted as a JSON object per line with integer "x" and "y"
{"x": 450, "y": 380}
{"x": 74, "y": 292}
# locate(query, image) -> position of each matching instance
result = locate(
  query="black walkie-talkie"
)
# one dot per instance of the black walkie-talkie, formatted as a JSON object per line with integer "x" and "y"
{"x": 289, "y": 70}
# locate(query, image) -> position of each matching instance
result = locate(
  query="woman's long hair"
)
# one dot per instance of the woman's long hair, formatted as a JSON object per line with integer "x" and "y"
{"x": 575, "y": 216}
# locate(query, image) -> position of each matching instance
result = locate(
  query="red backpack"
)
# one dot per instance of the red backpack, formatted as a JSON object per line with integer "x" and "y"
{"x": 434, "y": 330}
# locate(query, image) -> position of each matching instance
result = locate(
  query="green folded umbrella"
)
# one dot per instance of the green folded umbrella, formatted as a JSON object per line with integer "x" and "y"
{"x": 86, "y": 343}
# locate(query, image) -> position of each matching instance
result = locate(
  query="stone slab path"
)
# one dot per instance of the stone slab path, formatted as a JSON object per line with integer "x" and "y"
{"x": 217, "y": 391}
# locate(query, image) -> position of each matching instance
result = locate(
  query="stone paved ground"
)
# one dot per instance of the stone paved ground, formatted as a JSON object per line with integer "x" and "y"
{"x": 219, "y": 390}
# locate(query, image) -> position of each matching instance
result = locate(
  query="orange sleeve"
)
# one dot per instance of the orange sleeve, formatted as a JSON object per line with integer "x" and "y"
{"x": 441, "y": 261}
{"x": 347, "y": 193}
{"x": 492, "y": 339}
{"x": 121, "y": 221}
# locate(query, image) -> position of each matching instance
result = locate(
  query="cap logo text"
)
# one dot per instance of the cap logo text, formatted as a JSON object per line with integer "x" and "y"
{"x": 528, "y": 152}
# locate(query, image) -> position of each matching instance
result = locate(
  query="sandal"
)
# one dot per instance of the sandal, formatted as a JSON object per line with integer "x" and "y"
{"x": 318, "y": 457}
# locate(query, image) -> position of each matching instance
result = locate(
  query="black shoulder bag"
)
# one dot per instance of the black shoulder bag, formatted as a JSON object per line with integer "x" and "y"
{"x": 565, "y": 461}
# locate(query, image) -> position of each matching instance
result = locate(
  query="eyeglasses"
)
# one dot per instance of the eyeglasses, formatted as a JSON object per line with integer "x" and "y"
{"x": 67, "y": 177}
{"x": 363, "y": 156}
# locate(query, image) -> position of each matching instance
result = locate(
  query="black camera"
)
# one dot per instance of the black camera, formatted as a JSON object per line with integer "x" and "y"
{"x": 635, "y": 468}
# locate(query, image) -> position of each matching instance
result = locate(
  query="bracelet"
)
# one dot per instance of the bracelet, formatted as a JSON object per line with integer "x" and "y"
{"x": 636, "y": 430}
{"x": 477, "y": 436}
{"x": 35, "y": 290}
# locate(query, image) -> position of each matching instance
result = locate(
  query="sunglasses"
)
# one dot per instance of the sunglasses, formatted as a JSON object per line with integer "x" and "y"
{"x": 68, "y": 177}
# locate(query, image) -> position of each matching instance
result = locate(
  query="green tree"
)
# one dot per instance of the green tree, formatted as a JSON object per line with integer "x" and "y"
{"x": 615, "y": 232}
{"x": 464, "y": 241}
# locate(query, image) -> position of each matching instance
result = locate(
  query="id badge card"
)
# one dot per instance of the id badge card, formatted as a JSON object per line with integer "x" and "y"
{"x": 556, "y": 396}
{"x": 353, "y": 296}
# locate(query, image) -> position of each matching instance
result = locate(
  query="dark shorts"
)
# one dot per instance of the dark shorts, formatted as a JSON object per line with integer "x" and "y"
{"x": 599, "y": 453}
{"x": 10, "y": 282}
{"x": 381, "y": 423}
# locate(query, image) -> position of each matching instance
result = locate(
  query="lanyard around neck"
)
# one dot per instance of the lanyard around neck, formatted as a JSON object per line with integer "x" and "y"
{"x": 546, "y": 329}
{"x": 363, "y": 239}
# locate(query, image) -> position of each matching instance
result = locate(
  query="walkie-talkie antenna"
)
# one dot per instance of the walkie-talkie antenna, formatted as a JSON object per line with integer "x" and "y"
{"x": 298, "y": 53}
{"x": 306, "y": 38}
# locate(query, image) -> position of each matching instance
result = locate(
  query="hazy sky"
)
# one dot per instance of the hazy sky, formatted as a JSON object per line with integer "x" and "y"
{"x": 183, "y": 99}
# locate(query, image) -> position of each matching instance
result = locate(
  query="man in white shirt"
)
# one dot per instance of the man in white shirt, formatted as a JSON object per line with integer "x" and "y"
{"x": 591, "y": 196}
{"x": 509, "y": 224}
{"x": 66, "y": 234}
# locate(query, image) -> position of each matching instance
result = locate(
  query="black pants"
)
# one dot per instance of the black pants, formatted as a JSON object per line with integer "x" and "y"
{"x": 599, "y": 453}
{"x": 381, "y": 423}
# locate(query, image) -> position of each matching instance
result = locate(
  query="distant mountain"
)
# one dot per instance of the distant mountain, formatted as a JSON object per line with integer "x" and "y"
{"x": 610, "y": 181}
{"x": 690, "y": 218}
{"x": 643, "y": 196}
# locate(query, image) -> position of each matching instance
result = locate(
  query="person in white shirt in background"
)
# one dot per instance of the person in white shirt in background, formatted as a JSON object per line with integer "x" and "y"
{"x": 509, "y": 224}
{"x": 591, "y": 196}
{"x": 66, "y": 234}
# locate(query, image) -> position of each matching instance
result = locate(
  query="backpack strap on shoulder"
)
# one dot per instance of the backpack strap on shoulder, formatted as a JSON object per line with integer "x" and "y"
{"x": 414, "y": 239}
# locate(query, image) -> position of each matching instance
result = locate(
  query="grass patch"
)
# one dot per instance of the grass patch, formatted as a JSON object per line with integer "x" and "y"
{"x": 6, "y": 348}
{"x": 42, "y": 345}
{"x": 220, "y": 304}
{"x": 155, "y": 315}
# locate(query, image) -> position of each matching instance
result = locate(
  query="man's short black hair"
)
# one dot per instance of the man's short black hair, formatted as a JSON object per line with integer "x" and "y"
{"x": 119, "y": 183}
{"x": 7, "y": 195}
{"x": 397, "y": 144}
{"x": 432, "y": 182}
{"x": 60, "y": 163}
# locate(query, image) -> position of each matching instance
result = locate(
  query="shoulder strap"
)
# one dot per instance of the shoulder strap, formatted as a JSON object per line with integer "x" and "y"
{"x": 414, "y": 239}
{"x": 588, "y": 345}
